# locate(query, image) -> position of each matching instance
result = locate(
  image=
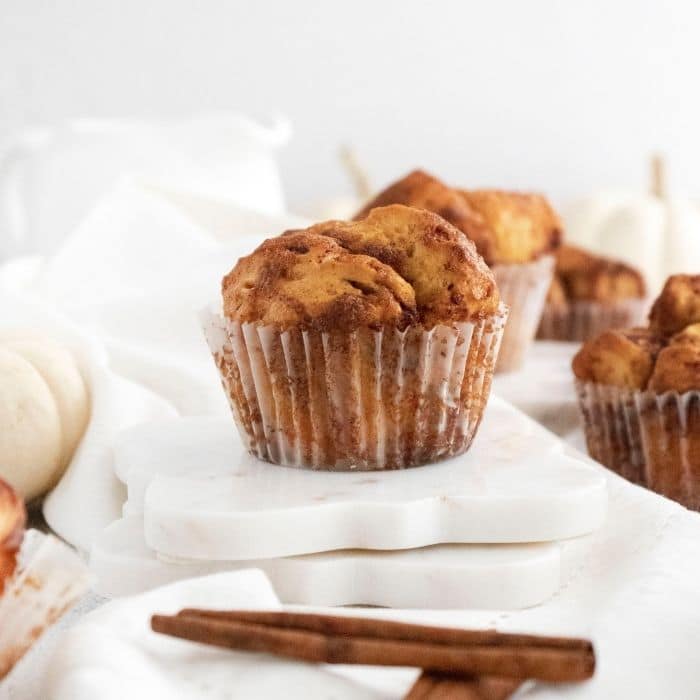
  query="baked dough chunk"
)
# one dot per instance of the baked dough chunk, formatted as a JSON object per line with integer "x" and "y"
{"x": 677, "y": 368}
{"x": 677, "y": 306}
{"x": 423, "y": 191}
{"x": 618, "y": 358}
{"x": 523, "y": 226}
{"x": 397, "y": 266}
{"x": 588, "y": 277}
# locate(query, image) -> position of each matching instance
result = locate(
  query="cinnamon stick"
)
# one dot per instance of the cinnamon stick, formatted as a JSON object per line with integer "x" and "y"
{"x": 532, "y": 660}
{"x": 339, "y": 625}
{"x": 433, "y": 686}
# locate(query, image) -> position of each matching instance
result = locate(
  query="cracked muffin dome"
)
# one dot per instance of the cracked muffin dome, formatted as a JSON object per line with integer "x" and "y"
{"x": 522, "y": 226}
{"x": 663, "y": 357}
{"x": 622, "y": 358}
{"x": 677, "y": 306}
{"x": 397, "y": 266}
{"x": 584, "y": 276}
{"x": 423, "y": 191}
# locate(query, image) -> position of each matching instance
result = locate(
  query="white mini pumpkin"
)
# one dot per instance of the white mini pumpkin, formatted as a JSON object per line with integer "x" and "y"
{"x": 44, "y": 410}
{"x": 657, "y": 232}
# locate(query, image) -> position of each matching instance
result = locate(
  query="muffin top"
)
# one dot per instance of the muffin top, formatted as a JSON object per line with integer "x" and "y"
{"x": 506, "y": 227}
{"x": 623, "y": 358}
{"x": 583, "y": 276}
{"x": 398, "y": 266}
{"x": 677, "y": 306}
{"x": 523, "y": 227}
{"x": 663, "y": 357}
{"x": 423, "y": 191}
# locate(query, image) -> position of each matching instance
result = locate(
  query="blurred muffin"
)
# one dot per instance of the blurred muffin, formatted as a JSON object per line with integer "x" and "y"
{"x": 12, "y": 521}
{"x": 40, "y": 578}
{"x": 364, "y": 345}
{"x": 639, "y": 394}
{"x": 514, "y": 232}
{"x": 590, "y": 294}
{"x": 523, "y": 227}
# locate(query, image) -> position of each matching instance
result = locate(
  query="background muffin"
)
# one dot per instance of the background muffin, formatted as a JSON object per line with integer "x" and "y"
{"x": 590, "y": 294}
{"x": 639, "y": 394}
{"x": 366, "y": 344}
{"x": 514, "y": 232}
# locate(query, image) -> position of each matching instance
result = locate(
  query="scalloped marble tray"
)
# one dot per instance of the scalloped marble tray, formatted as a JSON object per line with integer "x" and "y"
{"x": 203, "y": 497}
{"x": 503, "y": 577}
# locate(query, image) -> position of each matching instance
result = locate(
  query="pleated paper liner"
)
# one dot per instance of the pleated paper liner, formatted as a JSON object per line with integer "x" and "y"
{"x": 583, "y": 320}
{"x": 48, "y": 580}
{"x": 650, "y": 439}
{"x": 365, "y": 400}
{"x": 523, "y": 288}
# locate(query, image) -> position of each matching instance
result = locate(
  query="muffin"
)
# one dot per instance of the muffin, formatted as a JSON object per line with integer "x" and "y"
{"x": 516, "y": 235}
{"x": 359, "y": 345}
{"x": 12, "y": 521}
{"x": 639, "y": 395}
{"x": 590, "y": 294}
{"x": 40, "y": 578}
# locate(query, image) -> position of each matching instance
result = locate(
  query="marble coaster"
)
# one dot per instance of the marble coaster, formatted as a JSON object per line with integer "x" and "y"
{"x": 203, "y": 497}
{"x": 503, "y": 577}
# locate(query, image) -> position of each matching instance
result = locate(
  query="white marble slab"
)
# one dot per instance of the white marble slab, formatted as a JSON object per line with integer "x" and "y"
{"x": 503, "y": 577}
{"x": 205, "y": 498}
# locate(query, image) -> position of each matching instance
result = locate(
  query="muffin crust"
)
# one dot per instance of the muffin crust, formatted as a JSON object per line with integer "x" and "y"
{"x": 618, "y": 358}
{"x": 677, "y": 306}
{"x": 587, "y": 277}
{"x": 424, "y": 191}
{"x": 677, "y": 368}
{"x": 523, "y": 227}
{"x": 398, "y": 266}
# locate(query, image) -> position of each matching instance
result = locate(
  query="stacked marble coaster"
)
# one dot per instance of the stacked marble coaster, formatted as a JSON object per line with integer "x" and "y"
{"x": 478, "y": 531}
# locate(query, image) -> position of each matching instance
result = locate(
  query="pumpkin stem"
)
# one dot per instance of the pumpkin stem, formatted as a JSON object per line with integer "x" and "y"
{"x": 658, "y": 175}
{"x": 357, "y": 173}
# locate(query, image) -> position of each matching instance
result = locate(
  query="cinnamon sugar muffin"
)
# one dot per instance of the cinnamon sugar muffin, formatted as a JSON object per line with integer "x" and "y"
{"x": 12, "y": 521}
{"x": 639, "y": 394}
{"x": 590, "y": 294}
{"x": 359, "y": 345}
{"x": 516, "y": 234}
{"x": 40, "y": 578}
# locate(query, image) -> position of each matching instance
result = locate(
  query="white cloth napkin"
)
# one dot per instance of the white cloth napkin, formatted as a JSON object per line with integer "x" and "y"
{"x": 50, "y": 176}
{"x": 112, "y": 653}
{"x": 631, "y": 588}
{"x": 125, "y": 291}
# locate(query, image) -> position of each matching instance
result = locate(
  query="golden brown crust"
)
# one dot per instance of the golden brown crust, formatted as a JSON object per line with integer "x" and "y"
{"x": 690, "y": 335}
{"x": 423, "y": 191}
{"x": 588, "y": 277}
{"x": 618, "y": 358}
{"x": 677, "y": 368}
{"x": 523, "y": 226}
{"x": 677, "y": 306}
{"x": 398, "y": 266}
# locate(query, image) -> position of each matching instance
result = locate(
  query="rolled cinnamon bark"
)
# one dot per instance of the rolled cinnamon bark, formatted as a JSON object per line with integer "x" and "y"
{"x": 519, "y": 658}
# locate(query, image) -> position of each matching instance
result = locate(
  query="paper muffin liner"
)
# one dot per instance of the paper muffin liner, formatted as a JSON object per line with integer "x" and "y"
{"x": 365, "y": 400}
{"x": 48, "y": 580}
{"x": 650, "y": 439}
{"x": 524, "y": 289}
{"x": 583, "y": 320}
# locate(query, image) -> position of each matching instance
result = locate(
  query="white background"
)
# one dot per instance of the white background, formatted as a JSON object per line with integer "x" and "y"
{"x": 561, "y": 96}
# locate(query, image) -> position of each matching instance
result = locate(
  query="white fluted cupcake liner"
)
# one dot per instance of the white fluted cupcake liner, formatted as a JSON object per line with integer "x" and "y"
{"x": 583, "y": 320}
{"x": 366, "y": 400}
{"x": 523, "y": 288}
{"x": 48, "y": 580}
{"x": 650, "y": 439}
